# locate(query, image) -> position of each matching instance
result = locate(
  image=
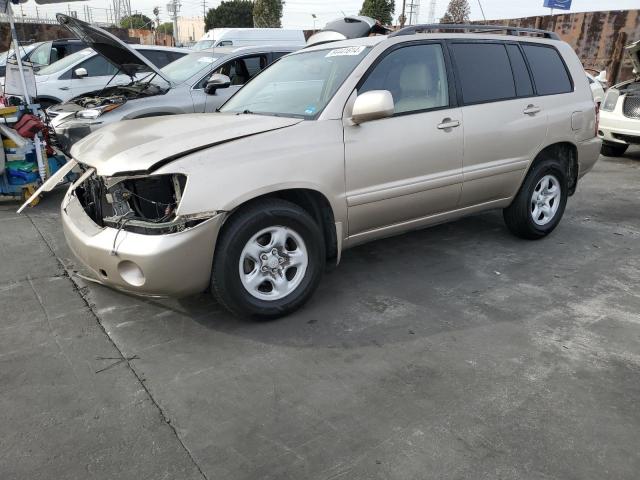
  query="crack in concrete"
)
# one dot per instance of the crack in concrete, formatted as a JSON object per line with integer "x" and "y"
{"x": 125, "y": 359}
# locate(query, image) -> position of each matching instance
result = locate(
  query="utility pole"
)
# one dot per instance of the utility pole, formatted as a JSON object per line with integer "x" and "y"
{"x": 403, "y": 17}
{"x": 173, "y": 8}
{"x": 204, "y": 8}
{"x": 432, "y": 12}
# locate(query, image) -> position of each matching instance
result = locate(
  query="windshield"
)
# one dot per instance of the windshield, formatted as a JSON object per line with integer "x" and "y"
{"x": 203, "y": 44}
{"x": 299, "y": 85}
{"x": 187, "y": 66}
{"x": 66, "y": 62}
{"x": 41, "y": 54}
{"x": 23, "y": 49}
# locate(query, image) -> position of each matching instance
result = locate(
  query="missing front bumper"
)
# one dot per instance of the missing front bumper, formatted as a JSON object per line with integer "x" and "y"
{"x": 176, "y": 264}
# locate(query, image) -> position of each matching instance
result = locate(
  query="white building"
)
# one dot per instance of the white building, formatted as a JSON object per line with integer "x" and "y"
{"x": 190, "y": 29}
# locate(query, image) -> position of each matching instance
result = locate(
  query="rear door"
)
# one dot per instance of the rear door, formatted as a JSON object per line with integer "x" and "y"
{"x": 504, "y": 123}
{"x": 240, "y": 70}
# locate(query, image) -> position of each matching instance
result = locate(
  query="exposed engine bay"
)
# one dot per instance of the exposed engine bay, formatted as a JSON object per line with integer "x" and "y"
{"x": 116, "y": 95}
{"x": 145, "y": 205}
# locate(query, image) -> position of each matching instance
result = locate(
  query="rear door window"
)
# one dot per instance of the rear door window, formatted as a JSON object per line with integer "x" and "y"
{"x": 549, "y": 72}
{"x": 524, "y": 87}
{"x": 159, "y": 58}
{"x": 484, "y": 72}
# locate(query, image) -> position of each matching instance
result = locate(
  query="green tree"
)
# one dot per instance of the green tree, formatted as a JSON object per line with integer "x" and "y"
{"x": 137, "y": 20}
{"x": 166, "y": 27}
{"x": 267, "y": 13}
{"x": 457, "y": 12}
{"x": 232, "y": 13}
{"x": 381, "y": 10}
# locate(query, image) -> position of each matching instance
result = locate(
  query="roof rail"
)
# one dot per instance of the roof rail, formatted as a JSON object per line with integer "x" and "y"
{"x": 469, "y": 28}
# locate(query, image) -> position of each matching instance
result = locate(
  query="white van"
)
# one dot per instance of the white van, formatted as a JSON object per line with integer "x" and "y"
{"x": 245, "y": 37}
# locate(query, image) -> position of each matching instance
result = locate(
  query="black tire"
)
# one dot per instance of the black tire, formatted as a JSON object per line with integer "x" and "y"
{"x": 244, "y": 224}
{"x": 611, "y": 150}
{"x": 519, "y": 217}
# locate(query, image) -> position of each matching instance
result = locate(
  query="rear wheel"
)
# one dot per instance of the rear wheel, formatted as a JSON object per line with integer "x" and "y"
{"x": 540, "y": 203}
{"x": 613, "y": 150}
{"x": 269, "y": 260}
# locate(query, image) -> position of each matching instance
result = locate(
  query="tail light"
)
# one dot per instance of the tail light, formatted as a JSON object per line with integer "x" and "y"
{"x": 597, "y": 119}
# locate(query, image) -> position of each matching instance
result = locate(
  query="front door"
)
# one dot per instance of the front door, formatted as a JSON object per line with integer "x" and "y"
{"x": 407, "y": 166}
{"x": 239, "y": 70}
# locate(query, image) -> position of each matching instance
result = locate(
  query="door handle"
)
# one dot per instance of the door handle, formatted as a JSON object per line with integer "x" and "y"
{"x": 63, "y": 88}
{"x": 532, "y": 110}
{"x": 448, "y": 123}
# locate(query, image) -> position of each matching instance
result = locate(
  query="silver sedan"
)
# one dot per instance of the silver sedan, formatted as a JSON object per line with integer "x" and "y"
{"x": 183, "y": 90}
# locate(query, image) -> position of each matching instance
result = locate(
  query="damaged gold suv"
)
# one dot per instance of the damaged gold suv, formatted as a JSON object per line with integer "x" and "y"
{"x": 332, "y": 146}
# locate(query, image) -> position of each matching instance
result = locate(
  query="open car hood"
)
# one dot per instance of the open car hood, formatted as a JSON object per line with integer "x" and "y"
{"x": 634, "y": 52}
{"x": 109, "y": 46}
{"x": 356, "y": 26}
{"x": 146, "y": 144}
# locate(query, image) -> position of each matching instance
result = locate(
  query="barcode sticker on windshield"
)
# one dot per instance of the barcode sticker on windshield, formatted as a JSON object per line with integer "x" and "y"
{"x": 345, "y": 51}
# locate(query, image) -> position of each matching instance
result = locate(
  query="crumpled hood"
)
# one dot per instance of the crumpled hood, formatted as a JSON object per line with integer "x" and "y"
{"x": 145, "y": 144}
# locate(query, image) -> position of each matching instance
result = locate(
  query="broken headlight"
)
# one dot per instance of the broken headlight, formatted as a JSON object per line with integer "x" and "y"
{"x": 144, "y": 205}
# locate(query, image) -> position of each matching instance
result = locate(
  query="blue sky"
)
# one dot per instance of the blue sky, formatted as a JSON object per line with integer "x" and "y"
{"x": 297, "y": 13}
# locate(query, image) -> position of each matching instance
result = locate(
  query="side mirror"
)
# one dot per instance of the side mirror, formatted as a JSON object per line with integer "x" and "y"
{"x": 216, "y": 81}
{"x": 81, "y": 72}
{"x": 372, "y": 105}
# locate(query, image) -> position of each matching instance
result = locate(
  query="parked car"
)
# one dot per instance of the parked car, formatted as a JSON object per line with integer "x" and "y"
{"x": 180, "y": 87}
{"x": 50, "y": 52}
{"x": 332, "y": 146}
{"x": 620, "y": 113}
{"x": 87, "y": 71}
{"x": 596, "y": 89}
{"x": 41, "y": 54}
{"x": 249, "y": 37}
{"x": 9, "y": 54}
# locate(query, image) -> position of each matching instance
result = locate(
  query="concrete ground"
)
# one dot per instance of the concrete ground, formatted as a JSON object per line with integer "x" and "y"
{"x": 458, "y": 352}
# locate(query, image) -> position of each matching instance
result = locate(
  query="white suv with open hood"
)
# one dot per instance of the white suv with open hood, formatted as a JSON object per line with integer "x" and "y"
{"x": 620, "y": 112}
{"x": 93, "y": 68}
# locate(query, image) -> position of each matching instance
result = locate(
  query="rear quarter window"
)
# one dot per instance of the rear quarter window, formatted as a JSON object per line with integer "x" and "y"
{"x": 484, "y": 72}
{"x": 549, "y": 71}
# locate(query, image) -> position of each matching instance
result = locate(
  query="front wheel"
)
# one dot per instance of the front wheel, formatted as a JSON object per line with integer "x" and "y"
{"x": 540, "y": 203}
{"x": 613, "y": 150}
{"x": 269, "y": 260}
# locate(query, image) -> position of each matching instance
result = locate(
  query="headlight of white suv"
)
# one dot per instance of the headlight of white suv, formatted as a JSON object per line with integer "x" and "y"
{"x": 611, "y": 100}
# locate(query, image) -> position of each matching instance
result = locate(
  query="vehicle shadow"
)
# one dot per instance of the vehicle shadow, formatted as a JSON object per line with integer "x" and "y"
{"x": 418, "y": 284}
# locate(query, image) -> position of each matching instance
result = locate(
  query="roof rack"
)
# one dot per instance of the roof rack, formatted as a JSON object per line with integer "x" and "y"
{"x": 469, "y": 28}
